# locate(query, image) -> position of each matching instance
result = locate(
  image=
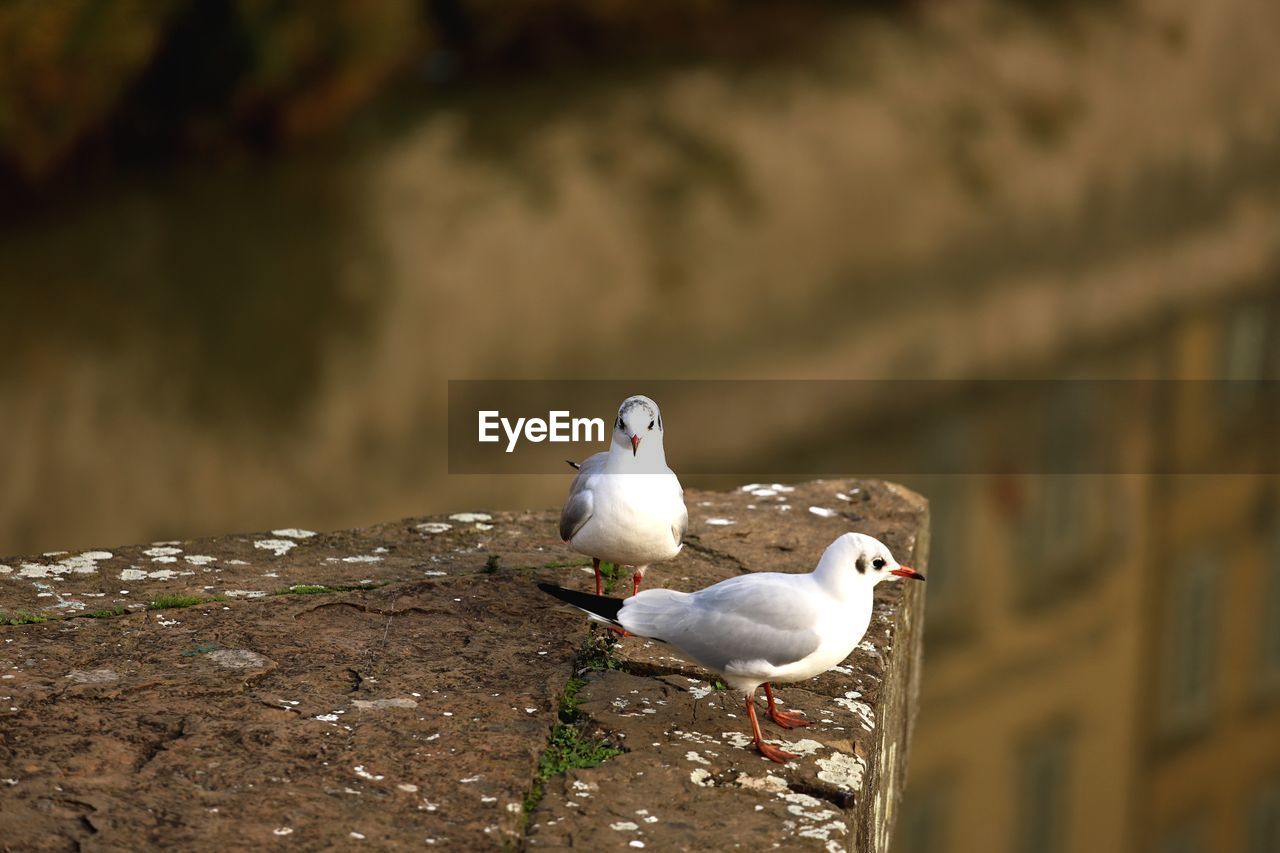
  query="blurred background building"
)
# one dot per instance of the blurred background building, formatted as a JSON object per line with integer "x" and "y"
{"x": 244, "y": 244}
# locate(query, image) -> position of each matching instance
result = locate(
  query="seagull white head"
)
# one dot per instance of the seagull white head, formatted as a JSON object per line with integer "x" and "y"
{"x": 858, "y": 560}
{"x": 639, "y": 424}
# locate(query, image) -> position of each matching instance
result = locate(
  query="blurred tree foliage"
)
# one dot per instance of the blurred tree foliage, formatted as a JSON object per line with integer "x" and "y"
{"x": 149, "y": 76}
{"x": 63, "y": 68}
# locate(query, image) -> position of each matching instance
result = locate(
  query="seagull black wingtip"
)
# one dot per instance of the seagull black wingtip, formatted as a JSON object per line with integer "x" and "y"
{"x": 600, "y": 606}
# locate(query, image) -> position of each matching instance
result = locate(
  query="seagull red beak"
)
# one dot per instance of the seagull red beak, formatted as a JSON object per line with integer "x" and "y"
{"x": 907, "y": 572}
{"x": 635, "y": 444}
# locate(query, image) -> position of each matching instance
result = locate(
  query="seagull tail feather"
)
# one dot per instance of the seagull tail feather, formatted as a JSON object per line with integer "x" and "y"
{"x": 602, "y": 608}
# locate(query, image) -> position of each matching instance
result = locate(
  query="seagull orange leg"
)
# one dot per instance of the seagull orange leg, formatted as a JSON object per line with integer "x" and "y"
{"x": 635, "y": 581}
{"x": 770, "y": 752}
{"x": 595, "y": 564}
{"x": 786, "y": 719}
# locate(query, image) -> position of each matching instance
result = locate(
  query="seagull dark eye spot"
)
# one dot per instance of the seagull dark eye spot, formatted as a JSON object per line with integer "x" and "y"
{"x": 650, "y": 424}
{"x": 620, "y": 424}
{"x": 878, "y": 562}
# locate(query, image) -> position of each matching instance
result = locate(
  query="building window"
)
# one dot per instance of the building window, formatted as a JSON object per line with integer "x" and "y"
{"x": 1269, "y": 648}
{"x": 922, "y": 827}
{"x": 1064, "y": 525}
{"x": 1244, "y": 351}
{"x": 1044, "y": 806}
{"x": 948, "y": 505}
{"x": 1191, "y": 643}
{"x": 1243, "y": 359}
{"x": 1264, "y": 821}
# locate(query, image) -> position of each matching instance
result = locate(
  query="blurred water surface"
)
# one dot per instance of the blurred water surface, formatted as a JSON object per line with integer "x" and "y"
{"x": 263, "y": 342}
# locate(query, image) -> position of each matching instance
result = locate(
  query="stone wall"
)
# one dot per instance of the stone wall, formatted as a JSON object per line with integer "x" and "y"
{"x": 399, "y": 684}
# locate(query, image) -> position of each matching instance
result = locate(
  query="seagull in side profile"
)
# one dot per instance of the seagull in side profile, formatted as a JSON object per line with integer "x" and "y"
{"x": 626, "y": 506}
{"x": 761, "y": 628}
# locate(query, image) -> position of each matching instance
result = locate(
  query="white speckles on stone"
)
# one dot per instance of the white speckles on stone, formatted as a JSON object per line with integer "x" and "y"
{"x": 199, "y": 559}
{"x": 635, "y": 842}
{"x": 701, "y": 778}
{"x": 4, "y": 570}
{"x": 435, "y": 574}
{"x": 326, "y": 718}
{"x": 696, "y": 758}
{"x": 358, "y": 836}
{"x": 697, "y": 737}
{"x": 293, "y": 533}
{"x": 470, "y": 779}
{"x": 132, "y": 574}
{"x": 238, "y": 659}
{"x": 80, "y": 564}
{"x": 766, "y": 490}
{"x": 92, "y": 676}
{"x": 866, "y": 716}
{"x": 483, "y": 526}
{"x": 822, "y": 512}
{"x": 823, "y": 832}
{"x": 382, "y": 704}
{"x": 359, "y": 558}
{"x": 843, "y": 771}
{"x": 365, "y": 774}
{"x": 279, "y": 547}
{"x": 245, "y": 593}
{"x": 720, "y": 522}
{"x": 804, "y": 746}
{"x": 470, "y": 517}
{"x": 624, "y": 826}
{"x": 283, "y": 830}
{"x": 236, "y": 563}
{"x": 700, "y": 692}
{"x": 162, "y": 551}
{"x": 165, "y": 574}
{"x": 407, "y": 788}
{"x": 430, "y": 527}
{"x": 737, "y": 739}
{"x": 767, "y": 783}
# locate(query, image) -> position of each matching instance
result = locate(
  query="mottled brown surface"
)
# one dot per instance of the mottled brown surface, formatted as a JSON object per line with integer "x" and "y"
{"x": 414, "y": 713}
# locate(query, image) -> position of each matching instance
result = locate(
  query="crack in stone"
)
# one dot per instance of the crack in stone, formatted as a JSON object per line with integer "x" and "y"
{"x": 843, "y": 800}
{"x": 163, "y": 744}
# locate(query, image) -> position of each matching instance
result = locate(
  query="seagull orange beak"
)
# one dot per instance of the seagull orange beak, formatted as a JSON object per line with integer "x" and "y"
{"x": 635, "y": 444}
{"x": 907, "y": 572}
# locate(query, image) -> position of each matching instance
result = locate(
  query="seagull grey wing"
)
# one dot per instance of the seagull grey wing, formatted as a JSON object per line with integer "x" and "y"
{"x": 741, "y": 621}
{"x": 580, "y": 504}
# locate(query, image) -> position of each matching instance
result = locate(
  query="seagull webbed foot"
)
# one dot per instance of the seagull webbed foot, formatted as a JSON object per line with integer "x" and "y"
{"x": 773, "y": 753}
{"x": 785, "y": 719}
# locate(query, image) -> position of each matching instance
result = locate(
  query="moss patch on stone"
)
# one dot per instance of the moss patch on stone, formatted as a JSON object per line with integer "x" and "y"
{"x": 23, "y": 617}
{"x": 173, "y": 602}
{"x": 570, "y": 747}
{"x": 320, "y": 589}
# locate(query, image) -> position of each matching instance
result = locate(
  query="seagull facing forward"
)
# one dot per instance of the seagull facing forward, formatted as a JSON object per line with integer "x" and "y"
{"x": 760, "y": 628}
{"x": 626, "y": 506}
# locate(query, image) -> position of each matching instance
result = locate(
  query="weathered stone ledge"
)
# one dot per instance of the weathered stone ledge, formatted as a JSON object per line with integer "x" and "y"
{"x": 414, "y": 711}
